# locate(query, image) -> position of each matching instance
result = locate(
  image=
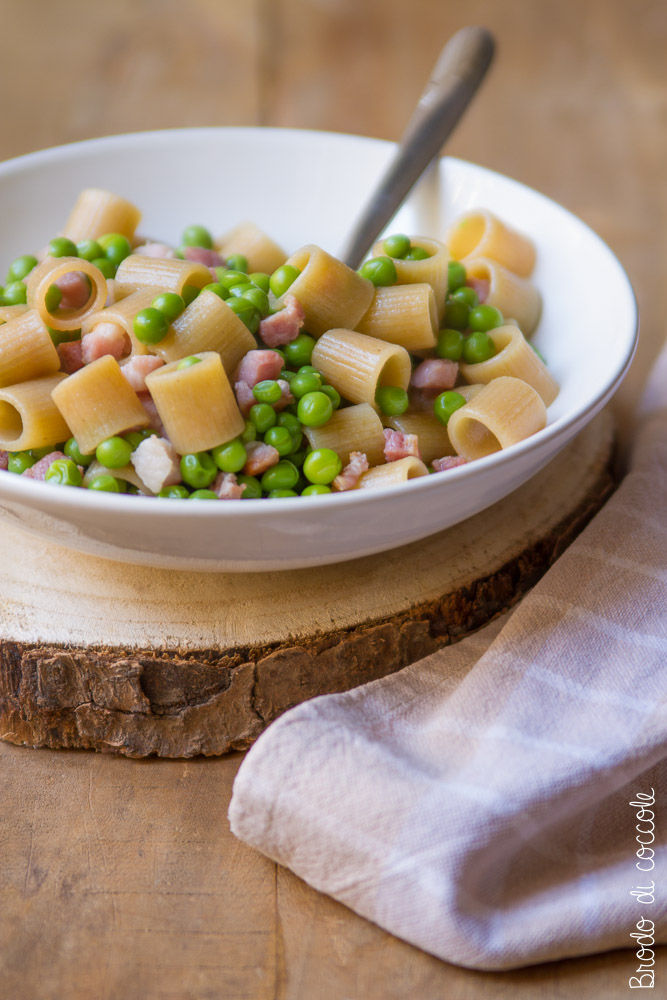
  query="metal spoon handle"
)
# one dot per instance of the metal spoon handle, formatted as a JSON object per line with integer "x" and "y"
{"x": 457, "y": 74}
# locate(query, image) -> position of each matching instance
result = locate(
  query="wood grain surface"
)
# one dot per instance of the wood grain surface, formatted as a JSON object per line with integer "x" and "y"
{"x": 120, "y": 879}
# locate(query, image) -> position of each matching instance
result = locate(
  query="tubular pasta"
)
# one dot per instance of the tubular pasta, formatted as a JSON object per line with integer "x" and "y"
{"x": 28, "y": 416}
{"x": 47, "y": 273}
{"x": 514, "y": 296}
{"x": 432, "y": 270}
{"x": 97, "y": 212}
{"x": 331, "y": 294}
{"x": 353, "y": 428}
{"x": 261, "y": 252}
{"x": 504, "y": 412}
{"x": 11, "y": 312}
{"x": 123, "y": 313}
{"x": 26, "y": 349}
{"x": 196, "y": 404}
{"x": 432, "y": 435}
{"x": 517, "y": 358}
{"x": 481, "y": 234}
{"x": 97, "y": 402}
{"x": 208, "y": 324}
{"x": 357, "y": 365}
{"x": 162, "y": 273}
{"x": 392, "y": 473}
{"x": 403, "y": 314}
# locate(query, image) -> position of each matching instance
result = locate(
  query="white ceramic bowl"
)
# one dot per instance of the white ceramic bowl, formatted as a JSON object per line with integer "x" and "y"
{"x": 307, "y": 187}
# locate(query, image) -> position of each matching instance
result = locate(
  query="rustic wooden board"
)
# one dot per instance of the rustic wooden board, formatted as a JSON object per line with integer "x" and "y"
{"x": 100, "y": 655}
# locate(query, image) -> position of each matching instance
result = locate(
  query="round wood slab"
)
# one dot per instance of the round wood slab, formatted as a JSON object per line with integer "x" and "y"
{"x": 102, "y": 655}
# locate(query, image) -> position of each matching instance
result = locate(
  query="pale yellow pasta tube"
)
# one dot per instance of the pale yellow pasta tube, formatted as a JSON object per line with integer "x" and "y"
{"x": 162, "y": 273}
{"x": 11, "y": 312}
{"x": 122, "y": 313}
{"x": 357, "y": 365}
{"x": 208, "y": 324}
{"x": 28, "y": 416}
{"x": 331, "y": 294}
{"x": 469, "y": 391}
{"x": 432, "y": 435}
{"x": 481, "y": 234}
{"x": 432, "y": 269}
{"x": 514, "y": 296}
{"x": 97, "y": 403}
{"x": 261, "y": 252}
{"x": 504, "y": 412}
{"x": 47, "y": 273}
{"x": 392, "y": 473}
{"x": 196, "y": 404}
{"x": 403, "y": 314}
{"x": 353, "y": 428}
{"x": 514, "y": 357}
{"x": 26, "y": 349}
{"x": 97, "y": 212}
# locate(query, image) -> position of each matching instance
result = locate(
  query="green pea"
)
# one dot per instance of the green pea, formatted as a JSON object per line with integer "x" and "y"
{"x": 262, "y": 416}
{"x": 246, "y": 312}
{"x": 189, "y": 293}
{"x": 107, "y": 484}
{"x": 38, "y": 453}
{"x": 64, "y": 472}
{"x": 170, "y": 304}
{"x": 478, "y": 347}
{"x": 174, "y": 492}
{"x": 63, "y": 336}
{"x": 305, "y": 382}
{"x": 309, "y": 369}
{"x": 188, "y": 362}
{"x": 2, "y": 296}
{"x": 333, "y": 395}
{"x": 280, "y": 439}
{"x": 253, "y": 488}
{"x": 465, "y": 294}
{"x": 241, "y": 287}
{"x": 198, "y": 469}
{"x": 283, "y": 476}
{"x": 287, "y": 375}
{"x": 114, "y": 453}
{"x": 315, "y": 409}
{"x": 282, "y": 278}
{"x": 21, "y": 267}
{"x": 116, "y": 247}
{"x": 261, "y": 279}
{"x": 456, "y": 314}
{"x": 150, "y": 326}
{"x": 380, "y": 270}
{"x": 15, "y": 294}
{"x": 249, "y": 433}
{"x": 445, "y": 404}
{"x": 417, "y": 253}
{"x": 300, "y": 350}
{"x": 60, "y": 246}
{"x": 293, "y": 425}
{"x": 538, "y": 352}
{"x": 204, "y": 494}
{"x": 237, "y": 262}
{"x": 228, "y": 278}
{"x": 197, "y": 236}
{"x": 73, "y": 451}
{"x": 316, "y": 489}
{"x": 485, "y": 318}
{"x": 396, "y": 245}
{"x": 392, "y": 400}
{"x": 217, "y": 289}
{"x": 258, "y": 298}
{"x": 53, "y": 298}
{"x": 107, "y": 267}
{"x": 456, "y": 275}
{"x": 19, "y": 461}
{"x": 279, "y": 494}
{"x": 230, "y": 457}
{"x": 134, "y": 438}
{"x": 322, "y": 466}
{"x": 298, "y": 457}
{"x": 450, "y": 344}
{"x": 89, "y": 250}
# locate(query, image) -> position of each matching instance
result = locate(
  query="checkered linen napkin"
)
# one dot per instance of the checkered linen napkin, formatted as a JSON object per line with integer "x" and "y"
{"x": 477, "y": 803}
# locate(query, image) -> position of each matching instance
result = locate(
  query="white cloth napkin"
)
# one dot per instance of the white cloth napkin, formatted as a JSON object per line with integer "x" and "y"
{"x": 477, "y": 803}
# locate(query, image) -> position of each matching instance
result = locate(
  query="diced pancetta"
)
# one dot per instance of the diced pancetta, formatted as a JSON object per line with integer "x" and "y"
{"x": 283, "y": 326}
{"x": 255, "y": 366}
{"x": 4, "y": 459}
{"x": 200, "y": 255}
{"x": 448, "y": 462}
{"x": 154, "y": 249}
{"x": 74, "y": 288}
{"x": 435, "y": 375}
{"x": 244, "y": 397}
{"x": 227, "y": 486}
{"x": 260, "y": 458}
{"x": 40, "y": 468}
{"x": 399, "y": 445}
{"x": 286, "y": 395}
{"x": 105, "y": 338}
{"x": 138, "y": 367}
{"x": 156, "y": 463}
{"x": 481, "y": 286}
{"x": 69, "y": 353}
{"x": 352, "y": 473}
{"x": 151, "y": 409}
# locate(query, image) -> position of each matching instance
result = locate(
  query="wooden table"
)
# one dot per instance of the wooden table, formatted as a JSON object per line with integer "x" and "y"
{"x": 120, "y": 878}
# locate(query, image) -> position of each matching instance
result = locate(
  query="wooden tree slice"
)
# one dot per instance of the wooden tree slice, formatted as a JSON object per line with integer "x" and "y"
{"x": 102, "y": 655}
